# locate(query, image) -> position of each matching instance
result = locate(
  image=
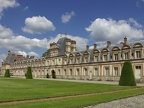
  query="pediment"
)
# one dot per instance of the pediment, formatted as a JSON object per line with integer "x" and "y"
{"x": 71, "y": 55}
{"x": 126, "y": 47}
{"x": 96, "y": 51}
{"x": 86, "y": 53}
{"x": 137, "y": 45}
{"x": 105, "y": 50}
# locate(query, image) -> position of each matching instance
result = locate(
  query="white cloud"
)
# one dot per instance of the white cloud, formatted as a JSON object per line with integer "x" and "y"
{"x": 5, "y": 32}
{"x": 29, "y": 53}
{"x": 26, "y": 8}
{"x": 21, "y": 42}
{"x": 134, "y": 23}
{"x": 139, "y": 3}
{"x": 4, "y": 4}
{"x": 13, "y": 42}
{"x": 2, "y": 57}
{"x": 67, "y": 16}
{"x": 37, "y": 25}
{"x": 109, "y": 29}
{"x": 22, "y": 53}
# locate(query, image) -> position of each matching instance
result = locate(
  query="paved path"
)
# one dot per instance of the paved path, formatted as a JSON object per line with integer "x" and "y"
{"x": 132, "y": 102}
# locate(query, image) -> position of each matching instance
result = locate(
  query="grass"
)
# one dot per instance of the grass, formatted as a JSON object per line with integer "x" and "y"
{"x": 21, "y": 89}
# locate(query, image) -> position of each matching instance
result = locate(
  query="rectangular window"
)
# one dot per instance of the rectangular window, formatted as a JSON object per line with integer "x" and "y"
{"x": 65, "y": 62}
{"x": 116, "y": 56}
{"x": 107, "y": 71}
{"x": 64, "y": 72}
{"x": 96, "y": 72}
{"x": 70, "y": 73}
{"x": 85, "y": 71}
{"x": 105, "y": 57}
{"x": 137, "y": 54}
{"x": 86, "y": 59}
{"x": 77, "y": 72}
{"x": 52, "y": 62}
{"x": 78, "y": 60}
{"x": 138, "y": 67}
{"x": 42, "y": 72}
{"x": 116, "y": 71}
{"x": 59, "y": 61}
{"x": 58, "y": 72}
{"x": 126, "y": 56}
{"x": 96, "y": 58}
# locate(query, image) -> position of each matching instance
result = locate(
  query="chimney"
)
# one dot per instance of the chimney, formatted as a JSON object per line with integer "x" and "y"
{"x": 27, "y": 57}
{"x": 13, "y": 58}
{"x": 87, "y": 47}
{"x": 31, "y": 57}
{"x": 108, "y": 44}
{"x": 95, "y": 46}
{"x": 8, "y": 52}
{"x": 125, "y": 40}
{"x": 19, "y": 57}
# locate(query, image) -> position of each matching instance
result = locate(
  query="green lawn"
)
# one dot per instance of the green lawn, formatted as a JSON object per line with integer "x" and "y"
{"x": 21, "y": 89}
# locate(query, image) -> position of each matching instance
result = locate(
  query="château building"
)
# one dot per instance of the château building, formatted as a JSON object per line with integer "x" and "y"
{"x": 68, "y": 63}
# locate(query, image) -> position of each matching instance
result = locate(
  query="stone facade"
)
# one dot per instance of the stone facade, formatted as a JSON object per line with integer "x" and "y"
{"x": 95, "y": 64}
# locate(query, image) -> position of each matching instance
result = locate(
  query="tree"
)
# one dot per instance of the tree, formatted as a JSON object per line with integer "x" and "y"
{"x": 47, "y": 75}
{"x": 53, "y": 74}
{"x": 46, "y": 53}
{"x": 7, "y": 73}
{"x": 127, "y": 75}
{"x": 29, "y": 73}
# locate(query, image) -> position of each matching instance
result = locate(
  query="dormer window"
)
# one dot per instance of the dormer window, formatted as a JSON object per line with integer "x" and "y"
{"x": 115, "y": 56}
{"x": 71, "y": 61}
{"x": 126, "y": 55}
{"x": 86, "y": 59}
{"x": 137, "y": 54}
{"x": 96, "y": 58}
{"x": 78, "y": 60}
{"x": 105, "y": 57}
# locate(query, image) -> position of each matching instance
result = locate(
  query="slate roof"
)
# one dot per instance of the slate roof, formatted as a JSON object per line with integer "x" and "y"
{"x": 9, "y": 58}
{"x": 61, "y": 44}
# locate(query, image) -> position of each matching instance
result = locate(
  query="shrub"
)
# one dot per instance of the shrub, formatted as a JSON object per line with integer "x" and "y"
{"x": 127, "y": 76}
{"x": 29, "y": 73}
{"x": 53, "y": 74}
{"x": 47, "y": 75}
{"x": 7, "y": 73}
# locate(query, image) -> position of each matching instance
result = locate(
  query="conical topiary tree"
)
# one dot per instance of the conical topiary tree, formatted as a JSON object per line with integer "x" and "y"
{"x": 7, "y": 73}
{"x": 47, "y": 75}
{"x": 127, "y": 75}
{"x": 29, "y": 73}
{"x": 53, "y": 74}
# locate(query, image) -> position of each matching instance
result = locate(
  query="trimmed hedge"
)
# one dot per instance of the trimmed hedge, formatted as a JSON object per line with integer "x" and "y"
{"x": 29, "y": 73}
{"x": 7, "y": 73}
{"x": 127, "y": 75}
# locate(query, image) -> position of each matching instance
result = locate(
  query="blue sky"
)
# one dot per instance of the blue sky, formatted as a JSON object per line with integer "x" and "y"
{"x": 29, "y": 26}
